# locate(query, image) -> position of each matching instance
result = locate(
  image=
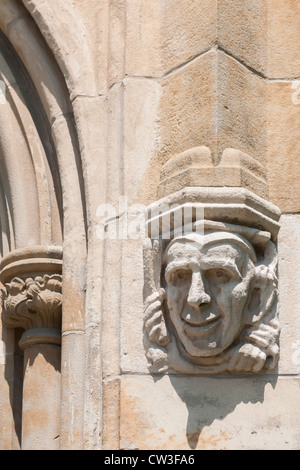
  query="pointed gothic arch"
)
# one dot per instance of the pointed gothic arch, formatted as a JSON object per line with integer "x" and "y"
{"x": 42, "y": 197}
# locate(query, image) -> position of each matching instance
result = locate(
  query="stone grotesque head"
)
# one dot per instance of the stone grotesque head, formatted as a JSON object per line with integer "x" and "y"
{"x": 213, "y": 306}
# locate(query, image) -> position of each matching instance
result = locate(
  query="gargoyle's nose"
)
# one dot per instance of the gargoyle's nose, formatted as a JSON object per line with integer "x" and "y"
{"x": 198, "y": 297}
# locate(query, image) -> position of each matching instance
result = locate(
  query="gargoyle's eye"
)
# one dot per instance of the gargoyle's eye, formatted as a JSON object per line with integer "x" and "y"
{"x": 218, "y": 276}
{"x": 181, "y": 276}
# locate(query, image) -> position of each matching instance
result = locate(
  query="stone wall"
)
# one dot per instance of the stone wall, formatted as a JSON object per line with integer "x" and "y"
{"x": 112, "y": 107}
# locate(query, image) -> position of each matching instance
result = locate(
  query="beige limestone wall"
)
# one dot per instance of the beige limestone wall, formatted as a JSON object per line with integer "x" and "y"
{"x": 206, "y": 413}
{"x": 233, "y": 90}
{"x": 209, "y": 413}
{"x": 145, "y": 81}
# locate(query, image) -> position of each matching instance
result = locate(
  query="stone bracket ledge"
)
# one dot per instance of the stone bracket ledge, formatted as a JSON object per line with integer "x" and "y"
{"x": 230, "y": 205}
{"x": 195, "y": 167}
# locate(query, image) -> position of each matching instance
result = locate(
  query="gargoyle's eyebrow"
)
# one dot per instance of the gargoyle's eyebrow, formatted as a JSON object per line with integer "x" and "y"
{"x": 221, "y": 263}
{"x": 179, "y": 264}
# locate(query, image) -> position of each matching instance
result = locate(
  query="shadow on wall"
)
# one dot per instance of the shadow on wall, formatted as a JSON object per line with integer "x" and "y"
{"x": 18, "y": 365}
{"x": 14, "y": 377}
{"x": 213, "y": 398}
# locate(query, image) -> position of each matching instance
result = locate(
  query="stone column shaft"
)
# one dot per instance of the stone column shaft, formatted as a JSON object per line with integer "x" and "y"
{"x": 41, "y": 397}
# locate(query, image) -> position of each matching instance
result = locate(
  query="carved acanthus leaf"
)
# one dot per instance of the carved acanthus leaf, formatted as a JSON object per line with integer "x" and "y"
{"x": 32, "y": 302}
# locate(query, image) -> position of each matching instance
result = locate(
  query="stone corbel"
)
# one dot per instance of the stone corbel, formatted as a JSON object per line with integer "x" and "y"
{"x": 210, "y": 296}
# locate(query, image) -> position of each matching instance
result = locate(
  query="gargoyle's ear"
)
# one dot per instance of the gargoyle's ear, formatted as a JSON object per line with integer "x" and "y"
{"x": 152, "y": 253}
{"x": 264, "y": 287}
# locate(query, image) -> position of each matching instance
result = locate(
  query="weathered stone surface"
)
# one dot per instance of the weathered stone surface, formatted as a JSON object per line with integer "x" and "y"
{"x": 141, "y": 137}
{"x": 262, "y": 34}
{"x": 283, "y": 144}
{"x": 241, "y": 109}
{"x": 143, "y": 29}
{"x": 107, "y": 102}
{"x": 111, "y": 412}
{"x": 209, "y": 413}
{"x": 283, "y": 40}
{"x": 69, "y": 43}
{"x": 188, "y": 110}
{"x": 72, "y": 379}
{"x": 243, "y": 31}
{"x": 111, "y": 310}
{"x": 132, "y": 351}
{"x": 11, "y": 367}
{"x": 40, "y": 421}
{"x": 289, "y": 294}
{"x": 163, "y": 35}
{"x": 187, "y": 30}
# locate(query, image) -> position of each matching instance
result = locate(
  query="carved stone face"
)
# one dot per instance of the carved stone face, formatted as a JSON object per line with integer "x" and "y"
{"x": 207, "y": 292}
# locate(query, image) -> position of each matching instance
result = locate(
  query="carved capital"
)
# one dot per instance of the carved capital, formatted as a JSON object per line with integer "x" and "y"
{"x": 32, "y": 302}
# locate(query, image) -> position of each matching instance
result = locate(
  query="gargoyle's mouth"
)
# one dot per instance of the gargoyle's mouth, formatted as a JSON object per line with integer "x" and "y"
{"x": 196, "y": 330}
{"x": 198, "y": 319}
